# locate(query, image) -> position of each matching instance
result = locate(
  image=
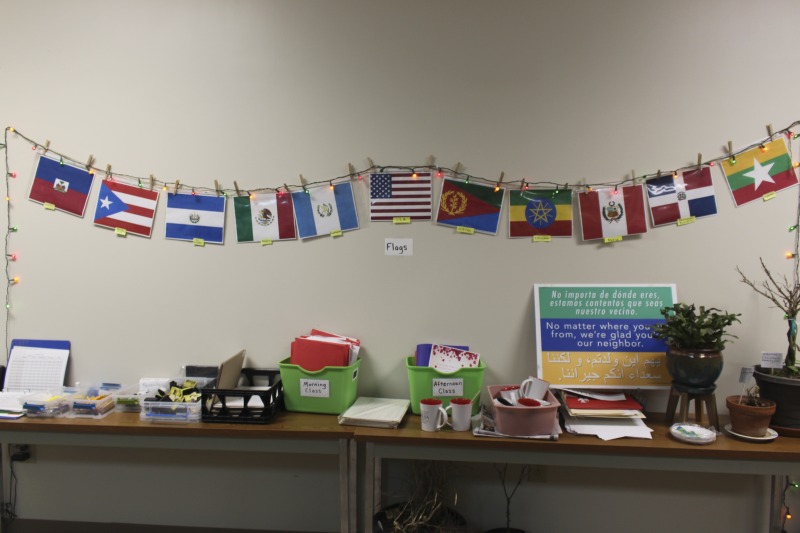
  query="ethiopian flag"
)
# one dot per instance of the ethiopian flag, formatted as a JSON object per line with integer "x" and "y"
{"x": 541, "y": 212}
{"x": 760, "y": 171}
{"x": 470, "y": 205}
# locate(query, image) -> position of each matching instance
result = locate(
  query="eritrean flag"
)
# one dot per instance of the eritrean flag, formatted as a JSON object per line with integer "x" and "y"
{"x": 470, "y": 205}
{"x": 540, "y": 212}
{"x": 61, "y": 184}
{"x": 760, "y": 171}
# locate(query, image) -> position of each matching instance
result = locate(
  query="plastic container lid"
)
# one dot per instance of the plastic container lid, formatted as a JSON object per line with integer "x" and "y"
{"x": 692, "y": 433}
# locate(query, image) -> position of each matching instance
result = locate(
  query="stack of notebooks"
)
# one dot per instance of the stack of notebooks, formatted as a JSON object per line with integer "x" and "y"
{"x": 320, "y": 349}
{"x": 606, "y": 415}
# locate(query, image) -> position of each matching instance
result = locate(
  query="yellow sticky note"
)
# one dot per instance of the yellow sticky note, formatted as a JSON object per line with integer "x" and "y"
{"x": 336, "y": 233}
{"x": 609, "y": 240}
{"x": 465, "y": 230}
{"x": 687, "y": 220}
{"x": 122, "y": 232}
{"x": 48, "y": 205}
{"x": 198, "y": 242}
{"x": 769, "y": 196}
{"x": 401, "y": 220}
{"x": 266, "y": 242}
{"x": 541, "y": 238}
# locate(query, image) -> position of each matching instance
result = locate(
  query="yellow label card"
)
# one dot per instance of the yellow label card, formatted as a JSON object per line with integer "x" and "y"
{"x": 609, "y": 240}
{"x": 541, "y": 238}
{"x": 122, "y": 232}
{"x": 770, "y": 196}
{"x": 266, "y": 242}
{"x": 401, "y": 220}
{"x": 465, "y": 230}
{"x": 336, "y": 233}
{"x": 687, "y": 220}
{"x": 198, "y": 242}
{"x": 48, "y": 205}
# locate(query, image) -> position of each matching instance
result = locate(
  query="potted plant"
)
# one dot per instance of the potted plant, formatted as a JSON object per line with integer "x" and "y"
{"x": 523, "y": 473}
{"x": 750, "y": 414}
{"x": 782, "y": 385}
{"x": 695, "y": 338}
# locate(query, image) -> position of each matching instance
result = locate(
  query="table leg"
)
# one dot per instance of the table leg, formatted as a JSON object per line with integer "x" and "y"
{"x": 344, "y": 486}
{"x": 776, "y": 503}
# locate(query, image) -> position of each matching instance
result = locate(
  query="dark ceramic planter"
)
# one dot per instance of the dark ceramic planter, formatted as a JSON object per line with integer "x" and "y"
{"x": 750, "y": 420}
{"x": 785, "y": 392}
{"x": 694, "y": 371}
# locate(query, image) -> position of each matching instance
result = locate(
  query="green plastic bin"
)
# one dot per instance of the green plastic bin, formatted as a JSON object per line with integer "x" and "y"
{"x": 329, "y": 390}
{"x": 466, "y": 383}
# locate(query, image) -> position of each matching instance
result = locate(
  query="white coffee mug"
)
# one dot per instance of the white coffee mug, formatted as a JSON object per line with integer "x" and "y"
{"x": 460, "y": 414}
{"x": 433, "y": 417}
{"x": 510, "y": 394}
{"x": 533, "y": 388}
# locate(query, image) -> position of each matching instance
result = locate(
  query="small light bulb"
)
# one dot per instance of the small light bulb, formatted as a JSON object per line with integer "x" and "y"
{"x": 439, "y": 174}
{"x": 526, "y": 186}
{"x": 360, "y": 177}
{"x": 13, "y": 229}
{"x": 34, "y": 147}
{"x": 15, "y": 280}
{"x": 413, "y": 175}
{"x": 306, "y": 191}
{"x": 733, "y": 160}
{"x": 11, "y": 130}
{"x": 164, "y": 188}
{"x": 616, "y": 191}
{"x": 13, "y": 174}
{"x": 789, "y": 255}
{"x": 792, "y": 228}
{"x": 763, "y": 148}
{"x": 61, "y": 161}
{"x": 331, "y": 184}
{"x": 12, "y": 257}
{"x": 496, "y": 188}
{"x": 711, "y": 164}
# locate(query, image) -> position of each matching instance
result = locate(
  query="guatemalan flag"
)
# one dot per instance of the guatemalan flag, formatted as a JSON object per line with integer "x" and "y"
{"x": 127, "y": 207}
{"x": 62, "y": 185}
{"x": 607, "y": 213}
{"x": 687, "y": 194}
{"x": 194, "y": 216}
{"x": 323, "y": 210}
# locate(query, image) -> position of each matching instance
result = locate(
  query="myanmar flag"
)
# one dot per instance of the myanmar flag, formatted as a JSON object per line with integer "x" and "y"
{"x": 608, "y": 213}
{"x": 541, "y": 212}
{"x": 469, "y": 205}
{"x": 762, "y": 170}
{"x": 264, "y": 217}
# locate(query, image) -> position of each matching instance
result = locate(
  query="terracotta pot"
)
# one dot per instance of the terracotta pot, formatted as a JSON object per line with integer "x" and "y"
{"x": 750, "y": 420}
{"x": 785, "y": 392}
{"x": 695, "y": 370}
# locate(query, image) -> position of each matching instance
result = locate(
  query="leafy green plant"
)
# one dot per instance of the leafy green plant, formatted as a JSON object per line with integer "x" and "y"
{"x": 689, "y": 327}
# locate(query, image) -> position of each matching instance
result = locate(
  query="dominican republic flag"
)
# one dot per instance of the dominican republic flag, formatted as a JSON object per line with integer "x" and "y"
{"x": 400, "y": 194}
{"x": 61, "y": 184}
{"x": 689, "y": 194}
{"x": 323, "y": 210}
{"x": 127, "y": 207}
{"x": 264, "y": 217}
{"x": 759, "y": 171}
{"x": 612, "y": 213}
{"x": 194, "y": 216}
{"x": 470, "y": 205}
{"x": 540, "y": 212}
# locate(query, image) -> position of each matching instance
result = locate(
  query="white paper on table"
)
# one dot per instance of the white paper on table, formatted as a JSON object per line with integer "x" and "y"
{"x": 33, "y": 368}
{"x": 605, "y": 396}
{"x": 608, "y": 428}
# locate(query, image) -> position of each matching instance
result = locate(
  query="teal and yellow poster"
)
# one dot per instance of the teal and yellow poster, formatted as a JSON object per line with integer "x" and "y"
{"x": 599, "y": 336}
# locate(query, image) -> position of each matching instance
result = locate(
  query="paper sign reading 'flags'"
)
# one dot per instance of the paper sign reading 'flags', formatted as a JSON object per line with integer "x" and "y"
{"x": 264, "y": 217}
{"x": 400, "y": 194}
{"x": 612, "y": 212}
{"x": 194, "y": 216}
{"x": 323, "y": 210}
{"x": 62, "y": 185}
{"x": 689, "y": 194}
{"x": 470, "y": 205}
{"x": 541, "y": 212}
{"x": 762, "y": 170}
{"x": 127, "y": 207}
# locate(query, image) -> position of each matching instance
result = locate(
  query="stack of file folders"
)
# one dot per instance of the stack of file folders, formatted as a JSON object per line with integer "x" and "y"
{"x": 606, "y": 415}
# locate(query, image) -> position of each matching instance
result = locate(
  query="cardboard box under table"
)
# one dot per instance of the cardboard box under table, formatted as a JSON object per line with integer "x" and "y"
{"x": 330, "y": 390}
{"x": 426, "y": 382}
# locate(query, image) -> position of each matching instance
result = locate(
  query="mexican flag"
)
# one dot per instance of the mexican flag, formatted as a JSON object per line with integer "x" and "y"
{"x": 540, "y": 212}
{"x": 612, "y": 212}
{"x": 759, "y": 171}
{"x": 263, "y": 217}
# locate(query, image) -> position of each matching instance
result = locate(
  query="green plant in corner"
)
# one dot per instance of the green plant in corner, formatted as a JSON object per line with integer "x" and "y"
{"x": 688, "y": 327}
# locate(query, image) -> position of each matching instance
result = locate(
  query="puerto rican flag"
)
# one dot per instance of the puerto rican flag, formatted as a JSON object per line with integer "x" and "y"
{"x": 689, "y": 194}
{"x": 127, "y": 207}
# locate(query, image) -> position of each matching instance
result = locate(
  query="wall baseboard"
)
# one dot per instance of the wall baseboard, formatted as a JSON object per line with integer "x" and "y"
{"x": 23, "y": 525}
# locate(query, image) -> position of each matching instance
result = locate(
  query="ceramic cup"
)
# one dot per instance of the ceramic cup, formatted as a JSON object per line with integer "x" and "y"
{"x": 460, "y": 414}
{"x": 529, "y": 402}
{"x": 533, "y": 388}
{"x": 510, "y": 394}
{"x": 433, "y": 417}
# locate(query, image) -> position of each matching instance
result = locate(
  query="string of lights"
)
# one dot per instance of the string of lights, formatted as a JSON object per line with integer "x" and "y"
{"x": 787, "y": 512}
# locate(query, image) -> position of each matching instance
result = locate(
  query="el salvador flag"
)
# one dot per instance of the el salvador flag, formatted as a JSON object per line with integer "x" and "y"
{"x": 194, "y": 216}
{"x": 322, "y": 210}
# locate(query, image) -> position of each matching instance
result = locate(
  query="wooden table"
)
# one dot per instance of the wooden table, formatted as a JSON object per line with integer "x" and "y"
{"x": 287, "y": 433}
{"x": 727, "y": 455}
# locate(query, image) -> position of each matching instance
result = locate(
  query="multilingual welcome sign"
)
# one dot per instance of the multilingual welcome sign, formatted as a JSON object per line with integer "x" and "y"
{"x": 599, "y": 336}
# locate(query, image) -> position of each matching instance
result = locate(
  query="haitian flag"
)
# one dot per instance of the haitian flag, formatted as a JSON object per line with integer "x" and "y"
{"x": 323, "y": 210}
{"x": 540, "y": 212}
{"x": 127, "y": 207}
{"x": 61, "y": 184}
{"x": 469, "y": 205}
{"x": 759, "y": 171}
{"x": 194, "y": 216}
{"x": 612, "y": 213}
{"x": 689, "y": 194}
{"x": 264, "y": 217}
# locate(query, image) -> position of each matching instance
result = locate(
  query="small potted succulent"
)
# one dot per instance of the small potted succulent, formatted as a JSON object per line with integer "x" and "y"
{"x": 750, "y": 414}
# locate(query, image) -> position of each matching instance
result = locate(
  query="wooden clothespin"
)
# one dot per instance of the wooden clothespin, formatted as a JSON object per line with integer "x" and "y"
{"x": 89, "y": 163}
{"x": 371, "y": 163}
{"x": 769, "y": 131}
{"x": 499, "y": 182}
{"x": 431, "y": 161}
{"x": 216, "y": 187}
{"x": 285, "y": 187}
{"x": 108, "y": 171}
{"x": 730, "y": 153}
{"x": 303, "y": 184}
{"x": 236, "y": 186}
{"x": 457, "y": 168}
{"x": 633, "y": 177}
{"x": 152, "y": 181}
{"x": 46, "y": 145}
{"x": 699, "y": 160}
{"x": 177, "y": 186}
{"x": 351, "y": 169}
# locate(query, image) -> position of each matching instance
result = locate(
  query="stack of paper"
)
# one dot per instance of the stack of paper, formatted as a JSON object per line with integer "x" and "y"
{"x": 320, "y": 349}
{"x": 606, "y": 415}
{"x": 375, "y": 412}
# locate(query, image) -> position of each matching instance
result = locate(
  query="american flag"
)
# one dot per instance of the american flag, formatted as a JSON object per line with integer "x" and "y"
{"x": 400, "y": 194}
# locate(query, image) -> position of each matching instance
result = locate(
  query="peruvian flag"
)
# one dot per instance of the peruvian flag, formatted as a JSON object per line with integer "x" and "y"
{"x": 612, "y": 212}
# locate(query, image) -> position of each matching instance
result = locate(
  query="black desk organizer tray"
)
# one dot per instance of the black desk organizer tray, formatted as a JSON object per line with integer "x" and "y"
{"x": 242, "y": 405}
